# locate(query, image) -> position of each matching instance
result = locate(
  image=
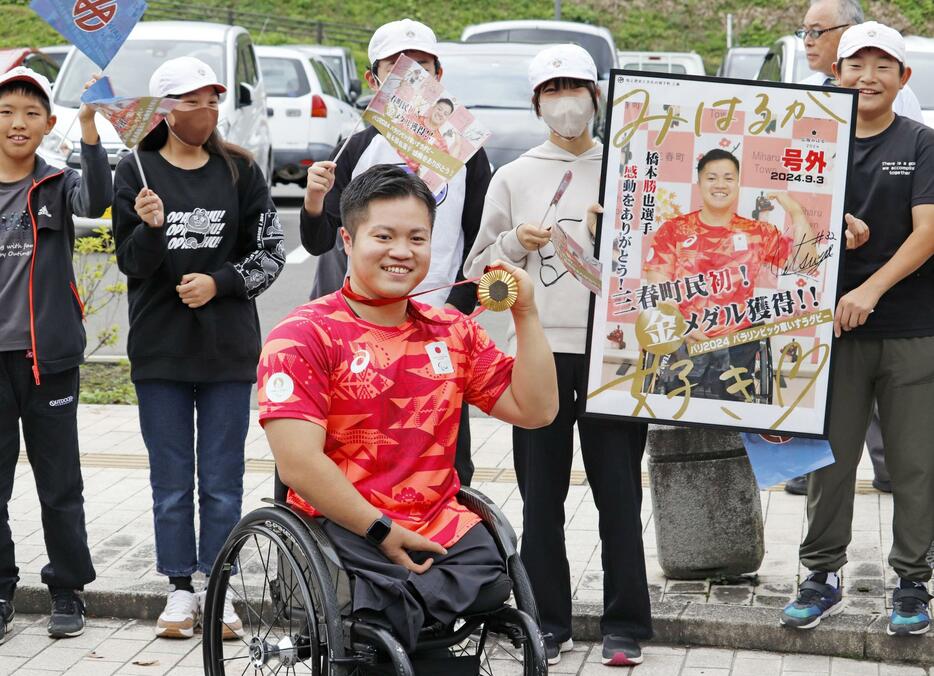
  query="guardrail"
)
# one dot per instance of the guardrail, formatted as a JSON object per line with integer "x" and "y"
{"x": 310, "y": 30}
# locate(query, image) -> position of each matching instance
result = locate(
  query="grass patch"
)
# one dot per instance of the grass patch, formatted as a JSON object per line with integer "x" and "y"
{"x": 107, "y": 383}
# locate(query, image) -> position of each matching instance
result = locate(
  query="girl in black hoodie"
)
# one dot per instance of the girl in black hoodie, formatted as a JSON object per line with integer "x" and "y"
{"x": 197, "y": 246}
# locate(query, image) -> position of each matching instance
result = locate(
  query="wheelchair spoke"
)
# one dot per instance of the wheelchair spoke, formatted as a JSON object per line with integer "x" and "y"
{"x": 242, "y": 577}
{"x": 249, "y": 610}
{"x": 279, "y": 614}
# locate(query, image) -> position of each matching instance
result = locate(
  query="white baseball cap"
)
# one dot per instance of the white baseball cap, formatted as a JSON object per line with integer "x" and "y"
{"x": 400, "y": 36}
{"x": 24, "y": 74}
{"x": 182, "y": 75}
{"x": 562, "y": 61}
{"x": 872, "y": 34}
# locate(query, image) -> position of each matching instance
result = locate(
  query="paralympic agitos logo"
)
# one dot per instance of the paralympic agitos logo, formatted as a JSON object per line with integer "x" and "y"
{"x": 92, "y": 15}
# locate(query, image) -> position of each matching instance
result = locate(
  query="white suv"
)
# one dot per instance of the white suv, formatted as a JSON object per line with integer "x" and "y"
{"x": 310, "y": 114}
{"x": 227, "y": 49}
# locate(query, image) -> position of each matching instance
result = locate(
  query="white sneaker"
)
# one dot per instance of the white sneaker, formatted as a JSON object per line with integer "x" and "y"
{"x": 180, "y": 616}
{"x": 233, "y": 625}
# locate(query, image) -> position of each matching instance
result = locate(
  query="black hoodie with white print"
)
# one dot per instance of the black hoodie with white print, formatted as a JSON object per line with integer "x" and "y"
{"x": 212, "y": 226}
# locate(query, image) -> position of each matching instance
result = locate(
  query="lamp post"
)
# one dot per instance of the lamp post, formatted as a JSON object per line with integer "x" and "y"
{"x": 557, "y": 10}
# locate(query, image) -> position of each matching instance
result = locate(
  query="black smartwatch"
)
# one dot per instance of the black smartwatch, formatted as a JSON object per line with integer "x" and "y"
{"x": 379, "y": 530}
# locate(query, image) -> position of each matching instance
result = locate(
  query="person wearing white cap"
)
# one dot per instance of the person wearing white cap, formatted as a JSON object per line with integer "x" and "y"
{"x": 885, "y": 322}
{"x": 42, "y": 339}
{"x": 460, "y": 202}
{"x": 565, "y": 95}
{"x": 821, "y": 30}
{"x": 198, "y": 239}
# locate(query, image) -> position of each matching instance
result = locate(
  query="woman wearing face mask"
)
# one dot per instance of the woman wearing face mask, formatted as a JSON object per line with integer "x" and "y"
{"x": 197, "y": 246}
{"x": 565, "y": 96}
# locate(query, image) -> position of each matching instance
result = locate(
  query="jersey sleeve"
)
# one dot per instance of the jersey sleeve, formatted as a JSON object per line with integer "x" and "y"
{"x": 293, "y": 373}
{"x": 490, "y": 371}
{"x": 662, "y": 253}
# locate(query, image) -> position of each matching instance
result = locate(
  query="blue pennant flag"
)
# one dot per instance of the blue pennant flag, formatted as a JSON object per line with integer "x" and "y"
{"x": 776, "y": 458}
{"x": 100, "y": 91}
{"x": 96, "y": 27}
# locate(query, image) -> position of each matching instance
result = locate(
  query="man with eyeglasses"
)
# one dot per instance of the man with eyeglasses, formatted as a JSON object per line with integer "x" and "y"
{"x": 824, "y": 24}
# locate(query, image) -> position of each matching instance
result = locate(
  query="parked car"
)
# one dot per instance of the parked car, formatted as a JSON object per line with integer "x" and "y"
{"x": 341, "y": 62}
{"x": 57, "y": 53}
{"x": 689, "y": 63}
{"x": 227, "y": 49}
{"x": 787, "y": 62}
{"x": 742, "y": 63}
{"x": 598, "y": 41}
{"x": 31, "y": 58}
{"x": 310, "y": 114}
{"x": 492, "y": 81}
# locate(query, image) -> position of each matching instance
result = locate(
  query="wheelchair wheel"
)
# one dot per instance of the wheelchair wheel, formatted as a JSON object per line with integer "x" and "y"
{"x": 271, "y": 570}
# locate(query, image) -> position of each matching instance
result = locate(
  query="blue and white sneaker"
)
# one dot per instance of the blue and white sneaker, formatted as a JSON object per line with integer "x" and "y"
{"x": 816, "y": 600}
{"x": 910, "y": 613}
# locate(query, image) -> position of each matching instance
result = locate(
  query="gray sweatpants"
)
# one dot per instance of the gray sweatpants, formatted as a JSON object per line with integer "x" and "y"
{"x": 899, "y": 373}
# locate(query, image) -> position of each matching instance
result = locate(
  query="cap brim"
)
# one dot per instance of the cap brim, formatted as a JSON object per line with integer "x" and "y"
{"x": 31, "y": 80}
{"x": 427, "y": 47}
{"x": 574, "y": 74}
{"x": 847, "y": 53}
{"x": 218, "y": 87}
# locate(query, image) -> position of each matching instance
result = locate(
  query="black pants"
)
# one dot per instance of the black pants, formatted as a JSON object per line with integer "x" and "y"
{"x": 390, "y": 595}
{"x": 463, "y": 464}
{"x": 612, "y": 453}
{"x": 50, "y": 427}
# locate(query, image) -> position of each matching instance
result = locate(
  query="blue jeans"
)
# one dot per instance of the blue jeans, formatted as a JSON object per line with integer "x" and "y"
{"x": 167, "y": 420}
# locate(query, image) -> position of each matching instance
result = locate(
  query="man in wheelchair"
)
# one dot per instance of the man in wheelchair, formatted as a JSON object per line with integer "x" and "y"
{"x": 360, "y": 395}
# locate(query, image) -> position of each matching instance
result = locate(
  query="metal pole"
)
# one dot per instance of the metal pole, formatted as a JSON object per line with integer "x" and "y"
{"x": 729, "y": 31}
{"x": 557, "y": 10}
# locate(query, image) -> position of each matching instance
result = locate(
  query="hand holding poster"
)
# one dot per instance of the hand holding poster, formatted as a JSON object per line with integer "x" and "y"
{"x": 424, "y": 123}
{"x": 721, "y": 246}
{"x": 96, "y": 27}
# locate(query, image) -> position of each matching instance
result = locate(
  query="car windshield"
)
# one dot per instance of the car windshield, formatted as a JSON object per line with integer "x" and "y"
{"x": 335, "y": 63}
{"x": 488, "y": 80}
{"x": 598, "y": 48}
{"x": 284, "y": 77}
{"x": 655, "y": 66}
{"x": 744, "y": 66}
{"x": 134, "y": 64}
{"x": 922, "y": 77}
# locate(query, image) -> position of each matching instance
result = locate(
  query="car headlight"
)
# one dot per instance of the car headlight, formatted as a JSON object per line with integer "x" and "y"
{"x": 56, "y": 144}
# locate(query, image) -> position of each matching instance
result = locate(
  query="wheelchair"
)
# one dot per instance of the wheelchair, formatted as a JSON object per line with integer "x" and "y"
{"x": 294, "y": 599}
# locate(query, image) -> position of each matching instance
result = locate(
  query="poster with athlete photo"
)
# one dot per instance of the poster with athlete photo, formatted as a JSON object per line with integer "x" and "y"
{"x": 430, "y": 130}
{"x": 721, "y": 246}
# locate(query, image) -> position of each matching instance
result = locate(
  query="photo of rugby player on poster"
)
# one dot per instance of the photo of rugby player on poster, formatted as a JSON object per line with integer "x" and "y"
{"x": 721, "y": 243}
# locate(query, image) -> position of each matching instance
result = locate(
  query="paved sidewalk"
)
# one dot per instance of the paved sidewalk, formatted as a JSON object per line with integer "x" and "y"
{"x": 127, "y": 647}
{"x": 743, "y": 615}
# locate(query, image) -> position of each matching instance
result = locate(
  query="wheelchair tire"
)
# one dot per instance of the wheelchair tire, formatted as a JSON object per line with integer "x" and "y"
{"x": 268, "y": 545}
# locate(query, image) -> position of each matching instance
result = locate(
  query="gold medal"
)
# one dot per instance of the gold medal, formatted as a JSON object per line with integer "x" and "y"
{"x": 497, "y": 290}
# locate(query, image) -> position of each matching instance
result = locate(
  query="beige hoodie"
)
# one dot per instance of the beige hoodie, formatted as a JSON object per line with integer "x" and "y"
{"x": 520, "y": 193}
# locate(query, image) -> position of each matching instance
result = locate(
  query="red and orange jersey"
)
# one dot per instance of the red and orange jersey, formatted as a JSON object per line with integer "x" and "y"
{"x": 389, "y": 399}
{"x": 685, "y": 247}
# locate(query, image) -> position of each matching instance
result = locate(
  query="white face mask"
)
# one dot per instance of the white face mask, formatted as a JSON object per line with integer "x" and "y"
{"x": 567, "y": 116}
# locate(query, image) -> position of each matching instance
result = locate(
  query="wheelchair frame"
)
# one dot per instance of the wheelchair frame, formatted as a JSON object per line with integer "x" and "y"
{"x": 334, "y": 643}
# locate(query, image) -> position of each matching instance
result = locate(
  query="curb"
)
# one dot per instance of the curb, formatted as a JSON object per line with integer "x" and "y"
{"x": 856, "y": 636}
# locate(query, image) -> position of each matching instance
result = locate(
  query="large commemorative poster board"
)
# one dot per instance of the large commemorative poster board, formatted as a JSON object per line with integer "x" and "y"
{"x": 721, "y": 245}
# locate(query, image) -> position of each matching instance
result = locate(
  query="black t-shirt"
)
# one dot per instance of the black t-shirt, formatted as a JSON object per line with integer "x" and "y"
{"x": 892, "y": 172}
{"x": 15, "y": 256}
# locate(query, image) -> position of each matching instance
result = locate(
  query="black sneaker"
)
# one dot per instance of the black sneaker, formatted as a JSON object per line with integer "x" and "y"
{"x": 621, "y": 651}
{"x": 798, "y": 485}
{"x": 67, "y": 618}
{"x": 553, "y": 649}
{"x": 910, "y": 613}
{"x": 6, "y": 619}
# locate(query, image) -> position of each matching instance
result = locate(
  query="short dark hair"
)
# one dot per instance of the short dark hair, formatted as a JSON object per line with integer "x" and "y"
{"x": 26, "y": 89}
{"x": 565, "y": 83}
{"x": 382, "y": 181}
{"x": 449, "y": 102}
{"x": 713, "y": 156}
